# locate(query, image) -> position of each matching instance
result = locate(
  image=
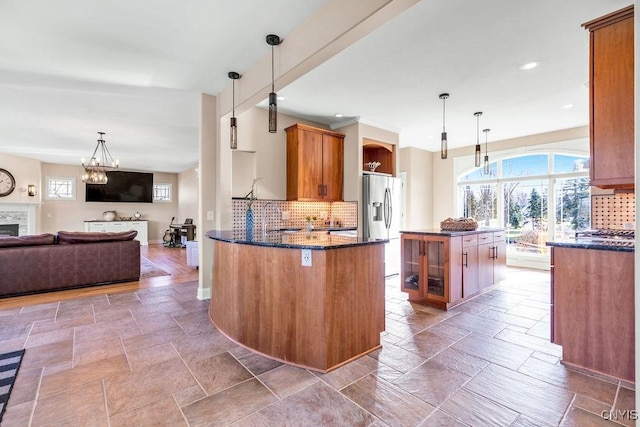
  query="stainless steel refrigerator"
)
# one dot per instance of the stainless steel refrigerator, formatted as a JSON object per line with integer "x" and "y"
{"x": 382, "y": 215}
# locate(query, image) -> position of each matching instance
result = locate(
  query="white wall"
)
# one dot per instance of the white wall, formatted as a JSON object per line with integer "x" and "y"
{"x": 419, "y": 187}
{"x": 187, "y": 195}
{"x": 25, "y": 171}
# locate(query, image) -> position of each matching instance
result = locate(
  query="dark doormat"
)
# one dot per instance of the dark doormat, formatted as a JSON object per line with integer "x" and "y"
{"x": 9, "y": 365}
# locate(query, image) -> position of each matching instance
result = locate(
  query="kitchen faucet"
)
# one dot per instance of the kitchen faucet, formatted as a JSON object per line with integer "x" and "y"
{"x": 264, "y": 217}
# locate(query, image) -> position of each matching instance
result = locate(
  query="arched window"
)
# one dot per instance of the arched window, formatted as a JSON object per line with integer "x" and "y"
{"x": 536, "y": 197}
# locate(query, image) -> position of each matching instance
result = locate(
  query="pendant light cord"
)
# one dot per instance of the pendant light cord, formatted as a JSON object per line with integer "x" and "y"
{"x": 272, "y": 72}
{"x": 233, "y": 98}
{"x": 443, "y": 114}
{"x": 477, "y": 129}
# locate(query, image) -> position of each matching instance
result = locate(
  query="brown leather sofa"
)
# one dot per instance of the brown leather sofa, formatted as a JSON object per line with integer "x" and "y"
{"x": 46, "y": 262}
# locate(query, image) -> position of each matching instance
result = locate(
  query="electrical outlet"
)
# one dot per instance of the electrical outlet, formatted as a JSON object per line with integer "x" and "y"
{"x": 306, "y": 257}
{"x": 323, "y": 215}
{"x": 284, "y": 215}
{"x": 210, "y": 216}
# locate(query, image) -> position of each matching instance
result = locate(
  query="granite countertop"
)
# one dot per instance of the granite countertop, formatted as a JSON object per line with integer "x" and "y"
{"x": 590, "y": 244}
{"x": 293, "y": 240}
{"x": 446, "y": 233}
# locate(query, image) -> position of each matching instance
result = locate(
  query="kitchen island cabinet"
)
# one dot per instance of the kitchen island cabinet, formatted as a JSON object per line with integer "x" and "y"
{"x": 315, "y": 164}
{"x": 445, "y": 268}
{"x": 492, "y": 259}
{"x": 611, "y": 99}
{"x": 320, "y": 316}
{"x": 592, "y": 307}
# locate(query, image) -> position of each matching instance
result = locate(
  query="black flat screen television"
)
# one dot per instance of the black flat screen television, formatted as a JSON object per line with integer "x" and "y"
{"x": 127, "y": 187}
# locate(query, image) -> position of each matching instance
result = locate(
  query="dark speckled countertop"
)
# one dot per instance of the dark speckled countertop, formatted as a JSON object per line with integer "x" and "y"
{"x": 436, "y": 232}
{"x": 590, "y": 244}
{"x": 320, "y": 240}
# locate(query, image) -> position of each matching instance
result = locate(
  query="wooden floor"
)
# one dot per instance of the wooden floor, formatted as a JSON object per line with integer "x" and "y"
{"x": 172, "y": 260}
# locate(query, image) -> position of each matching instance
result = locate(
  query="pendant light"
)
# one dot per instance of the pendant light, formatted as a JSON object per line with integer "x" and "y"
{"x": 478, "y": 149}
{"x": 101, "y": 162}
{"x": 234, "y": 122}
{"x": 273, "y": 40}
{"x": 486, "y": 152}
{"x": 443, "y": 139}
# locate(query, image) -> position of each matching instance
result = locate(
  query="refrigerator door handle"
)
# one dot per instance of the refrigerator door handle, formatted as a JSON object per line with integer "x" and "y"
{"x": 387, "y": 208}
{"x": 390, "y": 204}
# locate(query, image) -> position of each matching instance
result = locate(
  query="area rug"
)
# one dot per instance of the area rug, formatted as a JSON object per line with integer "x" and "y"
{"x": 9, "y": 365}
{"x": 149, "y": 269}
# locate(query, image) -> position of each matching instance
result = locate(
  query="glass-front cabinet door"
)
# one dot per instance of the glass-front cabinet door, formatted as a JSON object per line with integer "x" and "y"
{"x": 436, "y": 252}
{"x": 412, "y": 260}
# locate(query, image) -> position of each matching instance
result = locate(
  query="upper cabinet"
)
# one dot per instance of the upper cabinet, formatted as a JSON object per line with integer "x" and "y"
{"x": 611, "y": 99}
{"x": 315, "y": 163}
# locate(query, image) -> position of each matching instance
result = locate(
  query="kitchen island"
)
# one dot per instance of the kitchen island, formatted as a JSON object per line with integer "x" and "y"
{"x": 446, "y": 268}
{"x": 592, "y": 305}
{"x": 310, "y": 299}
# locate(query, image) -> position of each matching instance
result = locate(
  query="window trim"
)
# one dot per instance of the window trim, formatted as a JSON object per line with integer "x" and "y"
{"x": 74, "y": 187}
{"x": 170, "y": 191}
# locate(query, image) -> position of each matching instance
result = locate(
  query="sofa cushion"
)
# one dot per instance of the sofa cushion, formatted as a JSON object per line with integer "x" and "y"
{"x": 65, "y": 237}
{"x": 31, "y": 240}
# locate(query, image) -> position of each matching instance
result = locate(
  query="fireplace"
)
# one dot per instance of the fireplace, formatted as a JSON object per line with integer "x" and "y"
{"x": 9, "y": 229}
{"x": 22, "y": 214}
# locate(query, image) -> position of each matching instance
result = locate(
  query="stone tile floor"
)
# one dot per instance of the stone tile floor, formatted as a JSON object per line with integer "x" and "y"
{"x": 152, "y": 357}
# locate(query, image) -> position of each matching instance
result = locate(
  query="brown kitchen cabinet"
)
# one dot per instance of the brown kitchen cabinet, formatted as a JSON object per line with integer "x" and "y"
{"x": 611, "y": 99}
{"x": 446, "y": 268}
{"x": 491, "y": 261}
{"x": 485, "y": 261}
{"x": 469, "y": 265}
{"x": 592, "y": 309}
{"x": 431, "y": 270}
{"x": 315, "y": 163}
{"x": 499, "y": 256}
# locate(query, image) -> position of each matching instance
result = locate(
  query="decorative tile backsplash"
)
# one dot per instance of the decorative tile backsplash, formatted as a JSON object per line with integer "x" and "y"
{"x": 345, "y": 214}
{"x": 614, "y": 211}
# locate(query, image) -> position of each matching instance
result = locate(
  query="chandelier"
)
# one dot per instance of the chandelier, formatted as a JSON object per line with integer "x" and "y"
{"x": 95, "y": 172}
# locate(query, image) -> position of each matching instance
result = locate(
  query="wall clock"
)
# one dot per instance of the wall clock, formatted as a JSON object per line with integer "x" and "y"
{"x": 7, "y": 183}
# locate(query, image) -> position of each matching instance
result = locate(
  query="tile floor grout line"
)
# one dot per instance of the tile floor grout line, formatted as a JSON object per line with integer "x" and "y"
{"x": 184, "y": 416}
{"x": 36, "y": 397}
{"x": 615, "y": 398}
{"x": 568, "y": 409}
{"x": 106, "y": 403}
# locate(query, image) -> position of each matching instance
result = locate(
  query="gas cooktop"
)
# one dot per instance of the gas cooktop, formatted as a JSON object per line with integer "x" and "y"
{"x": 609, "y": 237}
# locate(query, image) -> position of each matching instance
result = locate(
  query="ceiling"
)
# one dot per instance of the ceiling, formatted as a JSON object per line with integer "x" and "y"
{"x": 71, "y": 68}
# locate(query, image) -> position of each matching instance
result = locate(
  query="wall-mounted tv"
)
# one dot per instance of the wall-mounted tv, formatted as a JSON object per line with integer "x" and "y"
{"x": 127, "y": 187}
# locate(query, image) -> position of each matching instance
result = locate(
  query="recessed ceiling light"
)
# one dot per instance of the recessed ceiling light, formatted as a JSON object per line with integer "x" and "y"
{"x": 281, "y": 98}
{"x": 567, "y": 106}
{"x": 338, "y": 115}
{"x": 529, "y": 65}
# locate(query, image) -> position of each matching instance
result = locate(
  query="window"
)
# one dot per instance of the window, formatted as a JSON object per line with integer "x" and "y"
{"x": 573, "y": 206}
{"x": 60, "y": 188}
{"x": 479, "y": 201}
{"x": 536, "y": 197}
{"x": 161, "y": 192}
